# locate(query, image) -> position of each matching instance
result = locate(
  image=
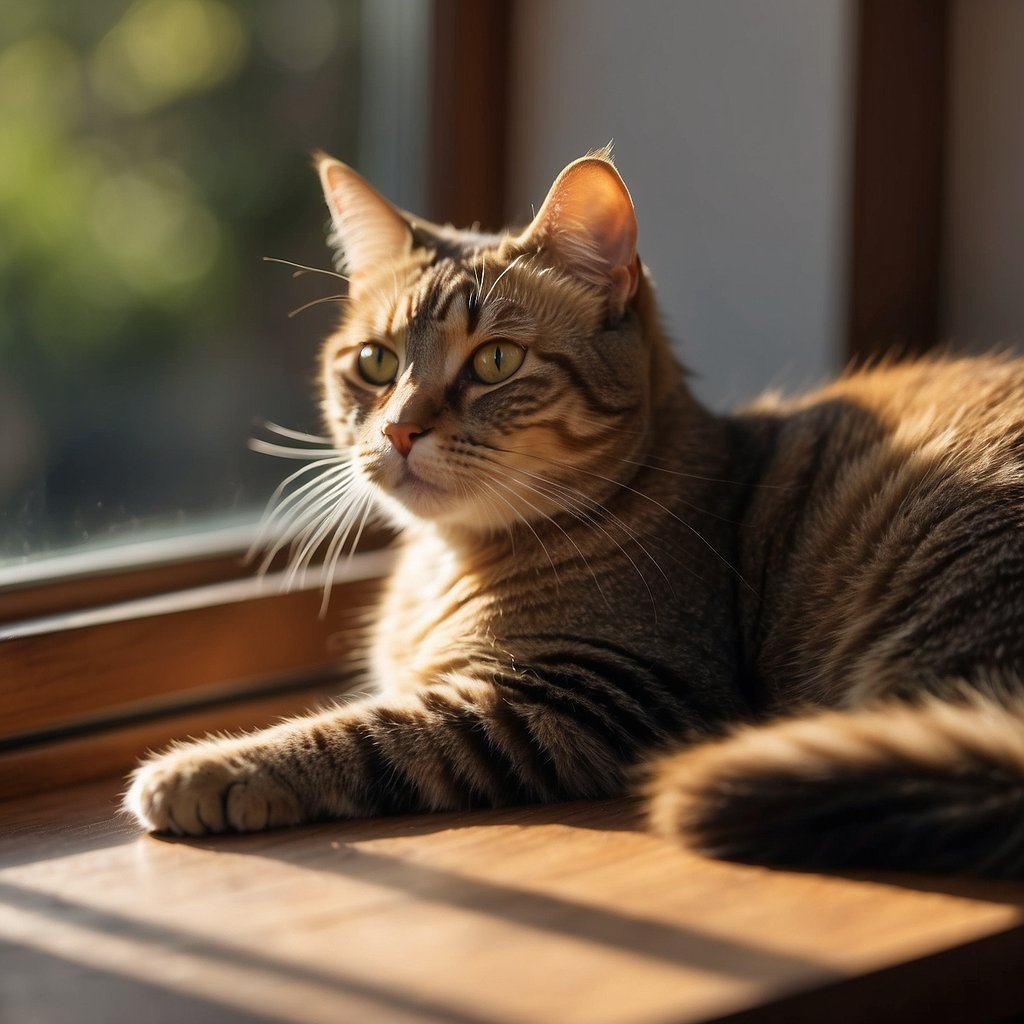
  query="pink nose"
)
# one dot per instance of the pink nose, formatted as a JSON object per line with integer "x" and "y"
{"x": 402, "y": 435}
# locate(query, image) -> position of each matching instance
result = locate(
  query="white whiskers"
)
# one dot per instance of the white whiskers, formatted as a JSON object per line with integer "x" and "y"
{"x": 490, "y": 291}
{"x": 646, "y": 497}
{"x": 316, "y": 302}
{"x": 301, "y": 268}
{"x": 321, "y": 504}
{"x": 584, "y": 509}
{"x": 490, "y": 486}
{"x": 296, "y": 435}
{"x": 587, "y": 509}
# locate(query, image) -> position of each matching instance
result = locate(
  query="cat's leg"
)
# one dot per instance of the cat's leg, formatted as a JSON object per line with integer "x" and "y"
{"x": 446, "y": 747}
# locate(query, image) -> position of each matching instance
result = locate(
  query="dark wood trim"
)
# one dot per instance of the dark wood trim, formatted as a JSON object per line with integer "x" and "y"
{"x": 113, "y": 749}
{"x": 469, "y": 109}
{"x": 53, "y": 593}
{"x": 78, "y": 580}
{"x": 77, "y": 671}
{"x": 977, "y": 980}
{"x": 898, "y": 176}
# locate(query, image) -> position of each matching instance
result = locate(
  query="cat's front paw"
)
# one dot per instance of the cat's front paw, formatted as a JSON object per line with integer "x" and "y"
{"x": 197, "y": 792}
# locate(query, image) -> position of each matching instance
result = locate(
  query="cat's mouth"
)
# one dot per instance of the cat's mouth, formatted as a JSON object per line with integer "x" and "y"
{"x": 408, "y": 478}
{"x": 415, "y": 490}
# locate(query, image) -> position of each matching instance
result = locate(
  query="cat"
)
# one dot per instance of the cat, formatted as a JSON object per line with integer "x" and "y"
{"x": 796, "y": 629}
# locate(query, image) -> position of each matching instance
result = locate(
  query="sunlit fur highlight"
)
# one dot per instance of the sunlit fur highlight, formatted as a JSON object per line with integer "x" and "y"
{"x": 799, "y": 625}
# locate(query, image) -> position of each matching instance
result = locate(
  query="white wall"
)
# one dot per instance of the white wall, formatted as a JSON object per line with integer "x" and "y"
{"x": 731, "y": 127}
{"x": 395, "y": 109}
{"x": 984, "y": 230}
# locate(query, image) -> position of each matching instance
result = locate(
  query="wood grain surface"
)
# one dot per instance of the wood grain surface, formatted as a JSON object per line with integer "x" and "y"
{"x": 566, "y": 913}
{"x": 115, "y": 659}
{"x": 114, "y": 751}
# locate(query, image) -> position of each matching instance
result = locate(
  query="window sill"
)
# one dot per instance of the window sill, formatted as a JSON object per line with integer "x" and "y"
{"x": 567, "y": 913}
{"x": 80, "y": 674}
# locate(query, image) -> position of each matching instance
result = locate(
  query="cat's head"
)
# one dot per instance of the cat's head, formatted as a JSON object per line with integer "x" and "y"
{"x": 484, "y": 380}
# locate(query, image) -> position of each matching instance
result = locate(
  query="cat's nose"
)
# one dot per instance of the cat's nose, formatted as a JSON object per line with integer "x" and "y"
{"x": 402, "y": 435}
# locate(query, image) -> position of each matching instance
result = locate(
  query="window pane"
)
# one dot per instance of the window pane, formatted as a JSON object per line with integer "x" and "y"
{"x": 151, "y": 154}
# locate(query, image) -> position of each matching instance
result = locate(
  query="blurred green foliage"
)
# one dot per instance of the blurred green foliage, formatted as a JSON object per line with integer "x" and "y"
{"x": 134, "y": 160}
{"x": 151, "y": 152}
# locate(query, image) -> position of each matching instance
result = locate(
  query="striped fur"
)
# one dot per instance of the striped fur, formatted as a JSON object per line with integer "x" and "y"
{"x": 932, "y": 785}
{"x": 800, "y": 623}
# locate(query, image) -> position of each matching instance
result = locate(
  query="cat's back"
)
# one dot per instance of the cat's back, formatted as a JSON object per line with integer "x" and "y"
{"x": 886, "y": 523}
{"x": 928, "y": 400}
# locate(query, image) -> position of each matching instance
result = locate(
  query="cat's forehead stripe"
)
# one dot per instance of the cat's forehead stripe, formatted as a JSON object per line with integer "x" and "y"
{"x": 443, "y": 301}
{"x": 447, "y": 283}
{"x": 448, "y": 288}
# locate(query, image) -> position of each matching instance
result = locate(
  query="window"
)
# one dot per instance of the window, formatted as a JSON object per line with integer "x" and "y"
{"x": 154, "y": 151}
{"x": 142, "y": 334}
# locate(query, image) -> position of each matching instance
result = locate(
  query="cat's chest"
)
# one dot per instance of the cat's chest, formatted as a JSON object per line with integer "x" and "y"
{"x": 432, "y": 620}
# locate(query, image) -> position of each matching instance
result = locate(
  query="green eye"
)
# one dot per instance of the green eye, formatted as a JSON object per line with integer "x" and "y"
{"x": 497, "y": 361}
{"x": 377, "y": 364}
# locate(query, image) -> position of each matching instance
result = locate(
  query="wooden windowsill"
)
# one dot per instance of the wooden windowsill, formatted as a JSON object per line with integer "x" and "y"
{"x": 90, "y": 669}
{"x": 565, "y": 913}
{"x": 104, "y": 574}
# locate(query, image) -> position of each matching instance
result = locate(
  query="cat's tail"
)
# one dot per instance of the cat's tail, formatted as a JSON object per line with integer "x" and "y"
{"x": 933, "y": 786}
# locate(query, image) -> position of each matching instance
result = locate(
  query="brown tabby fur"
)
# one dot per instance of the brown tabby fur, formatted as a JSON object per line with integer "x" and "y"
{"x": 816, "y": 603}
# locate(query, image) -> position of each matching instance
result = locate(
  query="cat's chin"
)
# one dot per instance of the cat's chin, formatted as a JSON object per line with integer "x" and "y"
{"x": 413, "y": 500}
{"x": 410, "y": 498}
{"x": 421, "y": 491}
{"x": 417, "y": 486}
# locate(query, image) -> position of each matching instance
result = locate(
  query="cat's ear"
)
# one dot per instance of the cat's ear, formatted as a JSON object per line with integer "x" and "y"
{"x": 368, "y": 230}
{"x": 588, "y": 223}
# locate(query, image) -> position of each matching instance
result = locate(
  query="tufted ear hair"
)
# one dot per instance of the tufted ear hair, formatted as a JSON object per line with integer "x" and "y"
{"x": 588, "y": 224}
{"x": 368, "y": 230}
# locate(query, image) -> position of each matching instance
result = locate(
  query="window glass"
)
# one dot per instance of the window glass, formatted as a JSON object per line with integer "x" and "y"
{"x": 152, "y": 153}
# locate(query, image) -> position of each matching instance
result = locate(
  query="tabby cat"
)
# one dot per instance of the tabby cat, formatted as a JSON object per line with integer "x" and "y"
{"x": 797, "y": 629}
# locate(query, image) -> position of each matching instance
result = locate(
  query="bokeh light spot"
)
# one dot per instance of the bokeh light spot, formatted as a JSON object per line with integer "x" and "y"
{"x": 162, "y": 50}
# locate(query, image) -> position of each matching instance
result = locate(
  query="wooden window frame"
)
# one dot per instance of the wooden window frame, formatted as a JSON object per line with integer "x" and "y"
{"x": 900, "y": 132}
{"x": 105, "y": 653}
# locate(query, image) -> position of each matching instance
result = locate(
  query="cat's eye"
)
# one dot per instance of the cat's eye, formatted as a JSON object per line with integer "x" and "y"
{"x": 497, "y": 360}
{"x": 377, "y": 364}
